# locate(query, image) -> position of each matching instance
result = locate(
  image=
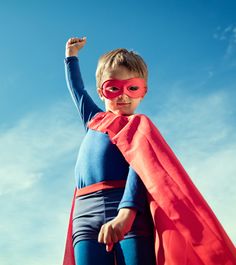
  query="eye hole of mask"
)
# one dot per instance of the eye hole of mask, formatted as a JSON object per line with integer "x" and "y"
{"x": 133, "y": 88}
{"x": 112, "y": 89}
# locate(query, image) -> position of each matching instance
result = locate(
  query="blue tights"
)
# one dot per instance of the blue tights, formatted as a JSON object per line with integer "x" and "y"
{"x": 131, "y": 251}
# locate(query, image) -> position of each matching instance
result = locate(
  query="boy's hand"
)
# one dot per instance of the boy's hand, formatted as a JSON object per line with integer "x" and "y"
{"x": 73, "y": 45}
{"x": 114, "y": 230}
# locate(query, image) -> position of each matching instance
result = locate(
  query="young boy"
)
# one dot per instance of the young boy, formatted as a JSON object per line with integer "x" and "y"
{"x": 99, "y": 160}
{"x": 124, "y": 169}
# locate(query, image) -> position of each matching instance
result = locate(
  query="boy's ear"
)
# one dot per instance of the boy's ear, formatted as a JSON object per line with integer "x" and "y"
{"x": 99, "y": 90}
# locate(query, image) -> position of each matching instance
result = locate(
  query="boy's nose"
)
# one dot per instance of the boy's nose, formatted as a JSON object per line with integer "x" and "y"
{"x": 123, "y": 96}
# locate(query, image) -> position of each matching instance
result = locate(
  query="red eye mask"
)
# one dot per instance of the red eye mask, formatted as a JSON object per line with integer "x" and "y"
{"x": 133, "y": 87}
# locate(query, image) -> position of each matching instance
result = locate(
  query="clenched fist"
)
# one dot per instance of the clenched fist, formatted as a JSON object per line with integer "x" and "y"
{"x": 115, "y": 230}
{"x": 73, "y": 45}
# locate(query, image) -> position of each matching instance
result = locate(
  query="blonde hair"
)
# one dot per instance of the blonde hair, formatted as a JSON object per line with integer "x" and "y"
{"x": 121, "y": 57}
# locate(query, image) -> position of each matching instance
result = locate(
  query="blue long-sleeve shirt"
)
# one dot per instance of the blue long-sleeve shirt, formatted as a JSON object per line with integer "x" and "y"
{"x": 98, "y": 159}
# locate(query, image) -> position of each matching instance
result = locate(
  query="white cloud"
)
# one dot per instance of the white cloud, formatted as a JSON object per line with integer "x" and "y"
{"x": 228, "y": 35}
{"x": 36, "y": 184}
{"x": 33, "y": 144}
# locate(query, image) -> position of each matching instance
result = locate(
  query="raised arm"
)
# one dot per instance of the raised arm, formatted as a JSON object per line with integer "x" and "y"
{"x": 84, "y": 103}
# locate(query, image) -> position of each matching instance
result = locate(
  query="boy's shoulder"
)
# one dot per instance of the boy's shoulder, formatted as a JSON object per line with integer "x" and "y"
{"x": 142, "y": 117}
{"x": 143, "y": 122}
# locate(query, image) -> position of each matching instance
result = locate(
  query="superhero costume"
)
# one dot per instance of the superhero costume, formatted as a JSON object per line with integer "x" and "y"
{"x": 105, "y": 163}
{"x": 187, "y": 232}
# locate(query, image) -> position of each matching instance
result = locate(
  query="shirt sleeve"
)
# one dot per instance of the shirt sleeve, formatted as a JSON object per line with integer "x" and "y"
{"x": 135, "y": 193}
{"x": 83, "y": 102}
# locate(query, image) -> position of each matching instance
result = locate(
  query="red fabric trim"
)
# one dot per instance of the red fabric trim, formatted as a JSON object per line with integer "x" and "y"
{"x": 103, "y": 185}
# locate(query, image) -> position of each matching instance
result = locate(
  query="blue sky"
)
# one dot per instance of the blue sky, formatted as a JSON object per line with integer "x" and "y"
{"x": 190, "y": 48}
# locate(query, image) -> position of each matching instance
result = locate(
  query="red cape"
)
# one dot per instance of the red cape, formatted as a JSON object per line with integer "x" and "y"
{"x": 186, "y": 230}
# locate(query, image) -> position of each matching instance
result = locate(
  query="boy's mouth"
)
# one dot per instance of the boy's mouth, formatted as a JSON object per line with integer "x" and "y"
{"x": 123, "y": 103}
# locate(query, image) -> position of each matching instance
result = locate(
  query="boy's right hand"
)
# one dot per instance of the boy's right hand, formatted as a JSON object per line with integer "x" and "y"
{"x": 115, "y": 230}
{"x": 73, "y": 45}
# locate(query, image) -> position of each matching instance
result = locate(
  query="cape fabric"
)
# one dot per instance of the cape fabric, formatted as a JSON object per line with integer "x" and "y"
{"x": 186, "y": 230}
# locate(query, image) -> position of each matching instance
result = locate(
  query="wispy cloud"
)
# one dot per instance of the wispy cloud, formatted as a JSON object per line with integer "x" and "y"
{"x": 227, "y": 35}
{"x": 36, "y": 178}
{"x": 33, "y": 145}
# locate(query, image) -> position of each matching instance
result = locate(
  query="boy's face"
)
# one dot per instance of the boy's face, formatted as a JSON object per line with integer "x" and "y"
{"x": 122, "y": 104}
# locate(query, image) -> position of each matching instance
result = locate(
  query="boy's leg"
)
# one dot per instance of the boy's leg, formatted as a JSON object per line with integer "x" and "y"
{"x": 90, "y": 252}
{"x": 136, "y": 251}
